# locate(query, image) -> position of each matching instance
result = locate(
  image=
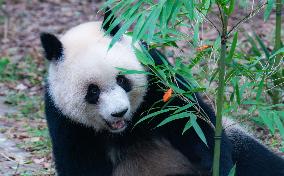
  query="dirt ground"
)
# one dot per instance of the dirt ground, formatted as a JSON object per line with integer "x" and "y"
{"x": 21, "y": 22}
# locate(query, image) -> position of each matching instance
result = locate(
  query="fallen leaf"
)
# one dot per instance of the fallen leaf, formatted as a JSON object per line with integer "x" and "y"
{"x": 201, "y": 48}
{"x": 38, "y": 161}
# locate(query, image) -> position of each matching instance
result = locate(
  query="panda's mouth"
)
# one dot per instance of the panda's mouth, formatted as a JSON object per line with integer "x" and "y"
{"x": 117, "y": 125}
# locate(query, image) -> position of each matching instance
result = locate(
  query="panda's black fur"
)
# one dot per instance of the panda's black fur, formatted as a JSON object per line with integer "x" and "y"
{"x": 80, "y": 150}
{"x": 250, "y": 156}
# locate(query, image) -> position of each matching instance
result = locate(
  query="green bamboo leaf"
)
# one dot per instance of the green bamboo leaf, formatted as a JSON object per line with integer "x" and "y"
{"x": 122, "y": 30}
{"x": 237, "y": 90}
{"x": 129, "y": 72}
{"x": 279, "y": 124}
{"x": 163, "y": 20}
{"x": 206, "y": 6}
{"x": 150, "y": 22}
{"x": 174, "y": 117}
{"x": 118, "y": 8}
{"x": 188, "y": 76}
{"x": 108, "y": 19}
{"x": 217, "y": 43}
{"x": 185, "y": 107}
{"x": 196, "y": 35}
{"x": 113, "y": 24}
{"x": 260, "y": 88}
{"x": 3, "y": 63}
{"x": 281, "y": 50}
{"x": 281, "y": 113}
{"x": 162, "y": 74}
{"x": 184, "y": 83}
{"x": 138, "y": 26}
{"x": 233, "y": 171}
{"x": 263, "y": 46}
{"x": 134, "y": 8}
{"x": 164, "y": 60}
{"x": 254, "y": 46}
{"x": 197, "y": 128}
{"x": 251, "y": 102}
{"x": 166, "y": 13}
{"x": 231, "y": 7}
{"x": 187, "y": 126}
{"x": 152, "y": 27}
{"x": 245, "y": 71}
{"x": 223, "y": 3}
{"x": 143, "y": 57}
{"x": 230, "y": 75}
{"x": 267, "y": 120}
{"x": 169, "y": 9}
{"x": 276, "y": 105}
{"x": 233, "y": 47}
{"x": 196, "y": 60}
{"x": 190, "y": 8}
{"x": 199, "y": 89}
{"x": 154, "y": 114}
{"x": 213, "y": 76}
{"x": 175, "y": 10}
{"x": 176, "y": 89}
{"x": 268, "y": 9}
{"x": 186, "y": 68}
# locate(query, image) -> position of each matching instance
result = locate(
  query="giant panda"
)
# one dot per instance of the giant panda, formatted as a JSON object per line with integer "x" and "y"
{"x": 91, "y": 110}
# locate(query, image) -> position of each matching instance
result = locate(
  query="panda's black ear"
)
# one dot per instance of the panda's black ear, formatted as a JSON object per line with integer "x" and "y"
{"x": 52, "y": 46}
{"x": 108, "y": 20}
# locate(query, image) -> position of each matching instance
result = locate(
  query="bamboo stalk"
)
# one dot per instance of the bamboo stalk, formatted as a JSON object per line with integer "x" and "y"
{"x": 220, "y": 97}
{"x": 276, "y": 81}
{"x": 278, "y": 28}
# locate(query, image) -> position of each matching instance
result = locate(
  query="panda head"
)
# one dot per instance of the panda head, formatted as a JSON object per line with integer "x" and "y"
{"x": 83, "y": 79}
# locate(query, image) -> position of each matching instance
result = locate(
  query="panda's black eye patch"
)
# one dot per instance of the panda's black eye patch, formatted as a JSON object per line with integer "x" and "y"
{"x": 93, "y": 94}
{"x": 123, "y": 82}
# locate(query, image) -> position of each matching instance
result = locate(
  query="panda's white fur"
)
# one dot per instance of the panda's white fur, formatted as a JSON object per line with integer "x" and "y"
{"x": 87, "y": 60}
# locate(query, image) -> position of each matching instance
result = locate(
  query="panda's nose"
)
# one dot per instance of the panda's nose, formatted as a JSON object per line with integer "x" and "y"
{"x": 119, "y": 114}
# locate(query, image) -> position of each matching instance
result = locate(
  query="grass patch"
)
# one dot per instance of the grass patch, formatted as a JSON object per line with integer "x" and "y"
{"x": 24, "y": 83}
{"x": 27, "y": 70}
{"x": 28, "y": 106}
{"x": 40, "y": 143}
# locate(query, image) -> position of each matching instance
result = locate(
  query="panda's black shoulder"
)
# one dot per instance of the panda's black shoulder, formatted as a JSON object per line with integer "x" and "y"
{"x": 251, "y": 156}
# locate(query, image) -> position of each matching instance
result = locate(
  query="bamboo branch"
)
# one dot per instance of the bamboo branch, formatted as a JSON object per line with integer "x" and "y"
{"x": 209, "y": 20}
{"x": 221, "y": 15}
{"x": 247, "y": 17}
